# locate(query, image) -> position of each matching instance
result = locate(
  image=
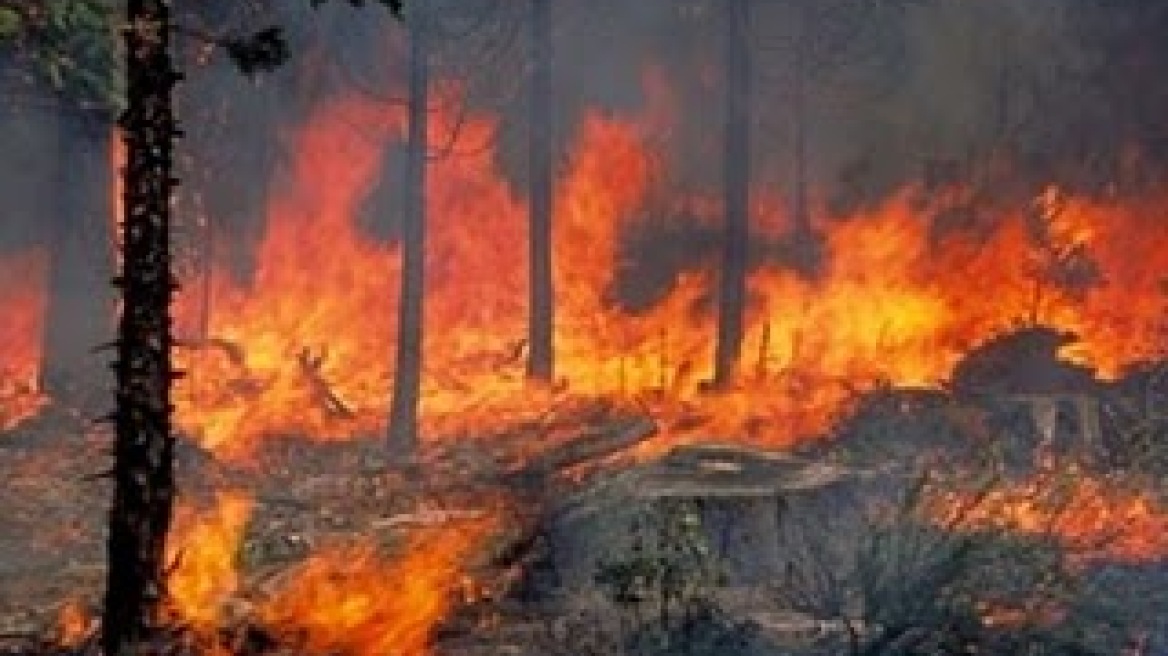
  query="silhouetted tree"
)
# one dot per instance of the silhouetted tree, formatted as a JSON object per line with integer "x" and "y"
{"x": 143, "y": 470}
{"x": 815, "y": 39}
{"x": 736, "y": 169}
{"x": 144, "y": 446}
{"x": 407, "y": 382}
{"x": 541, "y": 311}
{"x": 66, "y": 44}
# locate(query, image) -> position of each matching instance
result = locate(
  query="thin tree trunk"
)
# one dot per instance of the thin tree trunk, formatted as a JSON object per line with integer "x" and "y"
{"x": 800, "y": 211}
{"x": 541, "y": 313}
{"x": 79, "y": 303}
{"x": 806, "y": 255}
{"x": 736, "y": 169}
{"x": 403, "y": 414}
{"x": 144, "y": 446}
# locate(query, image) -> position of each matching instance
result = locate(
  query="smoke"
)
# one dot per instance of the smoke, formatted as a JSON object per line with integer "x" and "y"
{"x": 1000, "y": 96}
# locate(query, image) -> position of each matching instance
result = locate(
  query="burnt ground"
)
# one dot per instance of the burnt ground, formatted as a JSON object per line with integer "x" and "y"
{"x": 306, "y": 496}
{"x": 52, "y": 528}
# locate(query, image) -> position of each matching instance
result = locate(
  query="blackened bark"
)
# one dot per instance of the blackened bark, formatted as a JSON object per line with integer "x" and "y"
{"x": 403, "y": 414}
{"x": 541, "y": 312}
{"x": 736, "y": 169}
{"x": 144, "y": 446}
{"x": 79, "y": 314}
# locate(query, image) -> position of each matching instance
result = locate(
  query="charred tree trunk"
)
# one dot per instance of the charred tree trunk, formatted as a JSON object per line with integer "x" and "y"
{"x": 407, "y": 384}
{"x": 79, "y": 313}
{"x": 806, "y": 252}
{"x": 736, "y": 169}
{"x": 541, "y": 312}
{"x": 144, "y": 446}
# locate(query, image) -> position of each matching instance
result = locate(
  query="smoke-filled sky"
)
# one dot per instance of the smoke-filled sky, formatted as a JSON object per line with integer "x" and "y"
{"x": 1004, "y": 95}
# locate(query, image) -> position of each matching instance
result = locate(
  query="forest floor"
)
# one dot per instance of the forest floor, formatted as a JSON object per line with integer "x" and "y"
{"x": 304, "y": 497}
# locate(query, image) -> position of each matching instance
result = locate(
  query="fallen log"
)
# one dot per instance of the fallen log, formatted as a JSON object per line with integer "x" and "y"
{"x": 590, "y": 446}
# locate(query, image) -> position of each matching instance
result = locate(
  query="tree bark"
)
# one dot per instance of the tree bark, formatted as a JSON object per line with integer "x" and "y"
{"x": 541, "y": 312}
{"x": 403, "y": 414}
{"x": 144, "y": 446}
{"x": 736, "y": 187}
{"x": 79, "y": 314}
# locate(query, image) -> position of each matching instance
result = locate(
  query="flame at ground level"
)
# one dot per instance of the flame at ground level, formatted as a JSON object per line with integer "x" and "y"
{"x": 204, "y": 548}
{"x": 1092, "y": 517}
{"x": 21, "y": 335}
{"x": 354, "y": 601}
{"x": 306, "y": 348}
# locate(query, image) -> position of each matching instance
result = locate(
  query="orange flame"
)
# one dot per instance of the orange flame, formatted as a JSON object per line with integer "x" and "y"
{"x": 353, "y": 601}
{"x": 305, "y": 347}
{"x": 204, "y": 548}
{"x": 21, "y": 335}
{"x": 1093, "y": 518}
{"x": 75, "y": 624}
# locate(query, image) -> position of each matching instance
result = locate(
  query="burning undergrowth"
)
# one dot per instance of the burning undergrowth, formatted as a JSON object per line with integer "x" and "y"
{"x": 1003, "y": 339}
{"x": 290, "y": 351}
{"x": 20, "y": 337}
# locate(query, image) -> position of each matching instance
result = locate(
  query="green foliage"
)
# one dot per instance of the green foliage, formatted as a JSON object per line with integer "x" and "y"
{"x": 70, "y": 45}
{"x": 664, "y": 586}
{"x": 10, "y": 22}
{"x": 669, "y": 563}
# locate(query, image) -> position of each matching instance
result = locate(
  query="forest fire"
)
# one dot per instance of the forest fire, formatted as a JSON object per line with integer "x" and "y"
{"x": 822, "y": 326}
{"x": 338, "y": 601}
{"x": 305, "y": 350}
{"x": 20, "y": 336}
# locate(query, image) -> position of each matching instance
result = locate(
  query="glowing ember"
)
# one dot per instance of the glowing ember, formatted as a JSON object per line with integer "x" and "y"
{"x": 21, "y": 335}
{"x": 353, "y": 601}
{"x": 204, "y": 548}
{"x": 75, "y": 624}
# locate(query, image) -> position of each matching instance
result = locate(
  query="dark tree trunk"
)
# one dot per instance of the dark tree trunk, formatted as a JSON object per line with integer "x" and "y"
{"x": 736, "y": 169}
{"x": 403, "y": 414}
{"x": 79, "y": 315}
{"x": 144, "y": 446}
{"x": 806, "y": 253}
{"x": 541, "y": 313}
{"x": 800, "y": 211}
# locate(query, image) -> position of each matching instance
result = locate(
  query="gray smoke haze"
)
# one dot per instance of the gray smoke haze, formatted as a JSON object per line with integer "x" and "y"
{"x": 894, "y": 92}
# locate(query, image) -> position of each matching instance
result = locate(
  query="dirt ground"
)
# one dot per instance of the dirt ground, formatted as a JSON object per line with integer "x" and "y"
{"x": 55, "y": 502}
{"x": 306, "y": 497}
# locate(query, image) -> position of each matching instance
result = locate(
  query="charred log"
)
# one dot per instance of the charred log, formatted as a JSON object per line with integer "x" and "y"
{"x": 144, "y": 445}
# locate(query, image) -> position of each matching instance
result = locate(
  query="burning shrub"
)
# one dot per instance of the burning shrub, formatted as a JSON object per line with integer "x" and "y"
{"x": 891, "y": 580}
